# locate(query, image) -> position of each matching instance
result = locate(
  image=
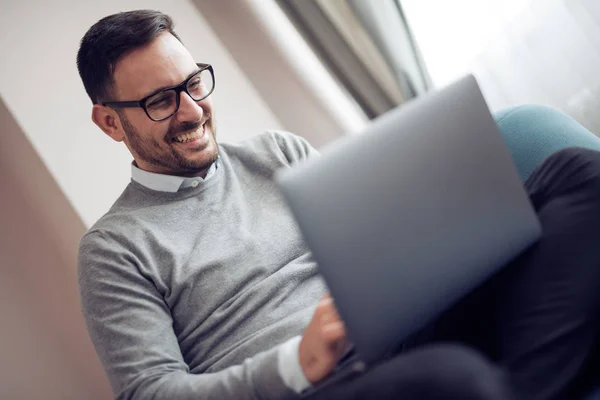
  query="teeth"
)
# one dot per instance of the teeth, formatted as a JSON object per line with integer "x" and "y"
{"x": 186, "y": 137}
{"x": 189, "y": 136}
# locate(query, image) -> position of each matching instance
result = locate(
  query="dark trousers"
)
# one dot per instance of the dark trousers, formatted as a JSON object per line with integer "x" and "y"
{"x": 434, "y": 372}
{"x": 538, "y": 319}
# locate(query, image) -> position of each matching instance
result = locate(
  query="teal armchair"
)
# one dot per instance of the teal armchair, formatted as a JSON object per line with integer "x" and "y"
{"x": 534, "y": 132}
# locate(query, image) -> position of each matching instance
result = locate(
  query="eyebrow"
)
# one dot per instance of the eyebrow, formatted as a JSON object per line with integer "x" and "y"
{"x": 170, "y": 87}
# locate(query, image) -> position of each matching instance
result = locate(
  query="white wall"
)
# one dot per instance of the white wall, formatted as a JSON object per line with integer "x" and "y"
{"x": 45, "y": 352}
{"x": 41, "y": 87}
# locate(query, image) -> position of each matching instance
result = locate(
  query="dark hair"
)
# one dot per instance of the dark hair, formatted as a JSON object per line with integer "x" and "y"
{"x": 111, "y": 38}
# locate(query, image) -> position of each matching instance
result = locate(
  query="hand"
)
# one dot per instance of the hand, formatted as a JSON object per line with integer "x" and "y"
{"x": 323, "y": 341}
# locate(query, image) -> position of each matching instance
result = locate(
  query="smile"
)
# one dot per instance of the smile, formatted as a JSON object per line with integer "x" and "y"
{"x": 190, "y": 136}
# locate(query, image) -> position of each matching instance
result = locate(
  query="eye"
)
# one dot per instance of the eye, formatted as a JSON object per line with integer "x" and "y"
{"x": 160, "y": 102}
{"x": 194, "y": 83}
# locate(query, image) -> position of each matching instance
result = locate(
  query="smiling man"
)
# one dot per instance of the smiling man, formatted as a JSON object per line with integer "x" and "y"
{"x": 168, "y": 137}
{"x": 197, "y": 284}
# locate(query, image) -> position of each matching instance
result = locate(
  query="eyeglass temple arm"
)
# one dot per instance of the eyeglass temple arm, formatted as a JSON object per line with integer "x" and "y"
{"x": 121, "y": 104}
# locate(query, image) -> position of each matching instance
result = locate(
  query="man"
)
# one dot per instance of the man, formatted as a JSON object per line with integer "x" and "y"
{"x": 197, "y": 284}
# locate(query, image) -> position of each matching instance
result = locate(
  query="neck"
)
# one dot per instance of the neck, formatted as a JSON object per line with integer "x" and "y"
{"x": 195, "y": 174}
{"x": 200, "y": 174}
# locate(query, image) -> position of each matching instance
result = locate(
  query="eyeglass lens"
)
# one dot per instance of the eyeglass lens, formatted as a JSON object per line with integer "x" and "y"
{"x": 164, "y": 104}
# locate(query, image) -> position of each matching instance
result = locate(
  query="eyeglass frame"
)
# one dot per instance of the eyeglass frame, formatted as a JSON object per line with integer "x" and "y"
{"x": 182, "y": 87}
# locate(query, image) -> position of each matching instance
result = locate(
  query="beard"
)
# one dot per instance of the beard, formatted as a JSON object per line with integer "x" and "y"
{"x": 164, "y": 155}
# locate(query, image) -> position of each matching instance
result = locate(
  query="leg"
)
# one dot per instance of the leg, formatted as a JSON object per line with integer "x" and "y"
{"x": 433, "y": 373}
{"x": 548, "y": 318}
{"x": 539, "y": 316}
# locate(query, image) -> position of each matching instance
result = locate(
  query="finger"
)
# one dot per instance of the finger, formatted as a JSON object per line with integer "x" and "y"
{"x": 328, "y": 316}
{"x": 324, "y": 299}
{"x": 334, "y": 311}
{"x": 328, "y": 312}
{"x": 325, "y": 302}
{"x": 334, "y": 332}
{"x": 324, "y": 308}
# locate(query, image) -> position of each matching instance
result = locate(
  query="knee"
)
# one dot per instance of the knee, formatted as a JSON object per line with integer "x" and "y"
{"x": 574, "y": 168}
{"x": 579, "y": 160}
{"x": 590, "y": 155}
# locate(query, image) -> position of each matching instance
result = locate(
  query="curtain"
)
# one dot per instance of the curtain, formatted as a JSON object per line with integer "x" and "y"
{"x": 366, "y": 45}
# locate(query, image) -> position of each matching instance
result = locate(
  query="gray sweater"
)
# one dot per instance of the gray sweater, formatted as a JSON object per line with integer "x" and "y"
{"x": 188, "y": 295}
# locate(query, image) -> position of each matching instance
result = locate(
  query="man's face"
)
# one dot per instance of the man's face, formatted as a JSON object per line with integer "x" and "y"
{"x": 157, "y": 146}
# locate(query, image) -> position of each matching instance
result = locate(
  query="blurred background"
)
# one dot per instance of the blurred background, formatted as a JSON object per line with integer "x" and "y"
{"x": 318, "y": 68}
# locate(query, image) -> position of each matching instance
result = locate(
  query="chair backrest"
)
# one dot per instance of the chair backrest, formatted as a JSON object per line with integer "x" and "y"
{"x": 533, "y": 132}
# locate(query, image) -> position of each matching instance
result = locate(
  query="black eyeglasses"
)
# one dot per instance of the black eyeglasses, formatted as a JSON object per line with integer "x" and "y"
{"x": 164, "y": 103}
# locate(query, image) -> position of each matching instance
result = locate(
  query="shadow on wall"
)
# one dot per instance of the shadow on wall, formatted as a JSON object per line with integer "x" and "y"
{"x": 45, "y": 351}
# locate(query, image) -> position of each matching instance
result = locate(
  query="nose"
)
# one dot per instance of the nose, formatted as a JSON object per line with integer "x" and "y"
{"x": 189, "y": 110}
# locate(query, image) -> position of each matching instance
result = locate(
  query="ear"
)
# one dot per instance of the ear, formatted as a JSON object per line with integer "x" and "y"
{"x": 108, "y": 120}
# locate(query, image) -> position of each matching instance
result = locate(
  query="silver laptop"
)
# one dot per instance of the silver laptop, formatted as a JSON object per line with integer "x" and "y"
{"x": 412, "y": 214}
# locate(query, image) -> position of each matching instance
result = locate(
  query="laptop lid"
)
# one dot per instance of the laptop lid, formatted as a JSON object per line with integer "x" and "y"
{"x": 412, "y": 214}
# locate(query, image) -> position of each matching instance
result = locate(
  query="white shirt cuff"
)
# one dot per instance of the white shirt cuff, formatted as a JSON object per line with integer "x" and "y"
{"x": 288, "y": 364}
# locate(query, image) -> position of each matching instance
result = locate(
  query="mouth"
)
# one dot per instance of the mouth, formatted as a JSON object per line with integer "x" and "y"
{"x": 191, "y": 137}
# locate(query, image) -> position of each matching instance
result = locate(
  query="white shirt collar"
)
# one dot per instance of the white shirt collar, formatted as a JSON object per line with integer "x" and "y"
{"x": 168, "y": 183}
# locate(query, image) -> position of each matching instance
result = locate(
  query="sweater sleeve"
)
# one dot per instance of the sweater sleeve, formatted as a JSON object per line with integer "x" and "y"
{"x": 131, "y": 328}
{"x": 293, "y": 147}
